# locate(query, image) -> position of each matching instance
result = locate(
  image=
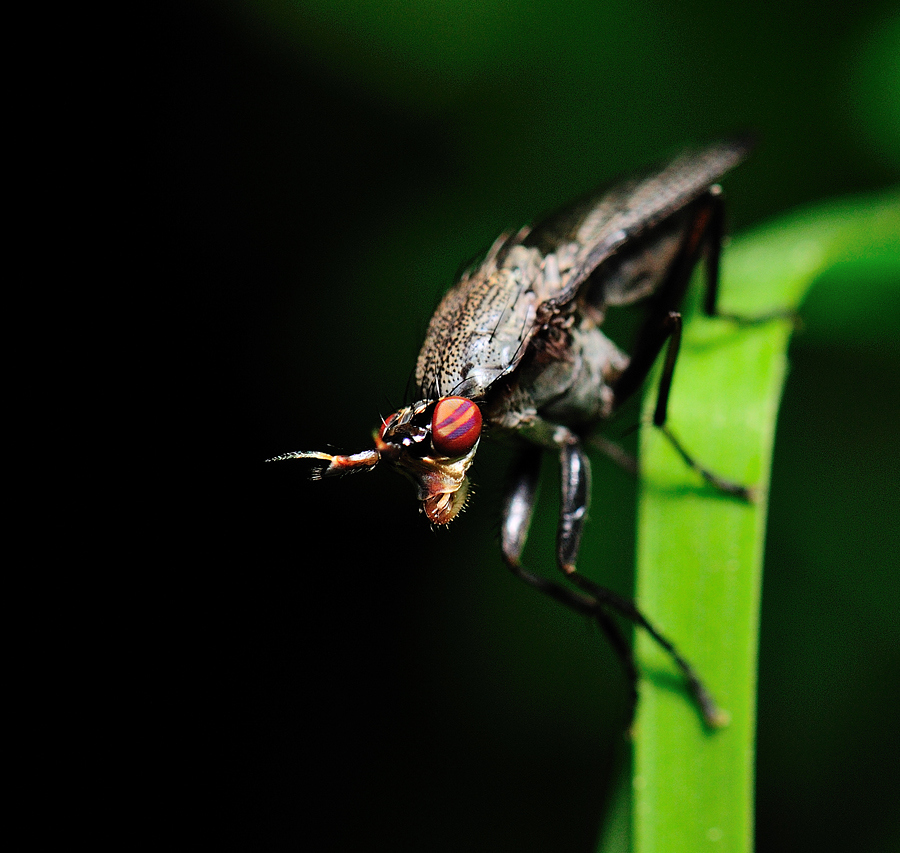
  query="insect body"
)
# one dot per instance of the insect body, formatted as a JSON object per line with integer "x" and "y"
{"x": 516, "y": 347}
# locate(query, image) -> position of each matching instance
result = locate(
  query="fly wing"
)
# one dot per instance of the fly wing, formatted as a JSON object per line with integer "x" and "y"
{"x": 589, "y": 233}
{"x": 484, "y": 324}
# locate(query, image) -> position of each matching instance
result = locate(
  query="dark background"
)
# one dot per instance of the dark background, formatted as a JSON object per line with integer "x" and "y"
{"x": 332, "y": 673}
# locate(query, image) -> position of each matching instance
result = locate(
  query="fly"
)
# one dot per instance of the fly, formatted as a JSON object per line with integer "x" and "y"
{"x": 516, "y": 348}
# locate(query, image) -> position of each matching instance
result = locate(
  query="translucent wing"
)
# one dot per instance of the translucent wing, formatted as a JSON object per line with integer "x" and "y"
{"x": 482, "y": 328}
{"x": 590, "y": 232}
{"x": 483, "y": 323}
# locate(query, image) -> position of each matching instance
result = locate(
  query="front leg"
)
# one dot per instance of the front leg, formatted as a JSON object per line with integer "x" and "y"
{"x": 575, "y": 498}
{"x": 575, "y": 488}
{"x": 517, "y": 512}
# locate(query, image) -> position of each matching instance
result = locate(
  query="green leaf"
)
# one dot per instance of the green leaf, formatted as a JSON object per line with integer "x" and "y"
{"x": 699, "y": 552}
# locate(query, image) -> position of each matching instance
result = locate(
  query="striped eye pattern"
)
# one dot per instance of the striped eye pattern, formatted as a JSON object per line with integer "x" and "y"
{"x": 455, "y": 426}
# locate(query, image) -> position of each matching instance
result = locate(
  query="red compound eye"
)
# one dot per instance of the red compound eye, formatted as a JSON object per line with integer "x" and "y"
{"x": 455, "y": 426}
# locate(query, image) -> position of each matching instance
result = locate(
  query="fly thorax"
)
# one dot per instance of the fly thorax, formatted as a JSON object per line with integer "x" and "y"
{"x": 584, "y": 383}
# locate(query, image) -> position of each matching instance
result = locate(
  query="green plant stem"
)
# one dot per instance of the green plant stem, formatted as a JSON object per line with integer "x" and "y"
{"x": 699, "y": 552}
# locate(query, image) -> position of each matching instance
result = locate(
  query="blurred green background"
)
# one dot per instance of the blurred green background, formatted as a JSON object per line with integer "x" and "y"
{"x": 348, "y": 674}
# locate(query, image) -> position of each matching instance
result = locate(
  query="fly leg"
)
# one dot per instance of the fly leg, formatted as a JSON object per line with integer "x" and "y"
{"x": 703, "y": 230}
{"x": 517, "y": 514}
{"x": 672, "y": 328}
{"x": 595, "y": 601}
{"x": 712, "y": 237}
{"x": 663, "y": 324}
{"x": 575, "y": 470}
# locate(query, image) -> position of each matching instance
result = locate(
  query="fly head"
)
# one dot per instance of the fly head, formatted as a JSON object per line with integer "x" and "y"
{"x": 433, "y": 443}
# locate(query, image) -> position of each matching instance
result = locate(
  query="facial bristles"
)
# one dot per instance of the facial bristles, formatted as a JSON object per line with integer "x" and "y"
{"x": 442, "y": 508}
